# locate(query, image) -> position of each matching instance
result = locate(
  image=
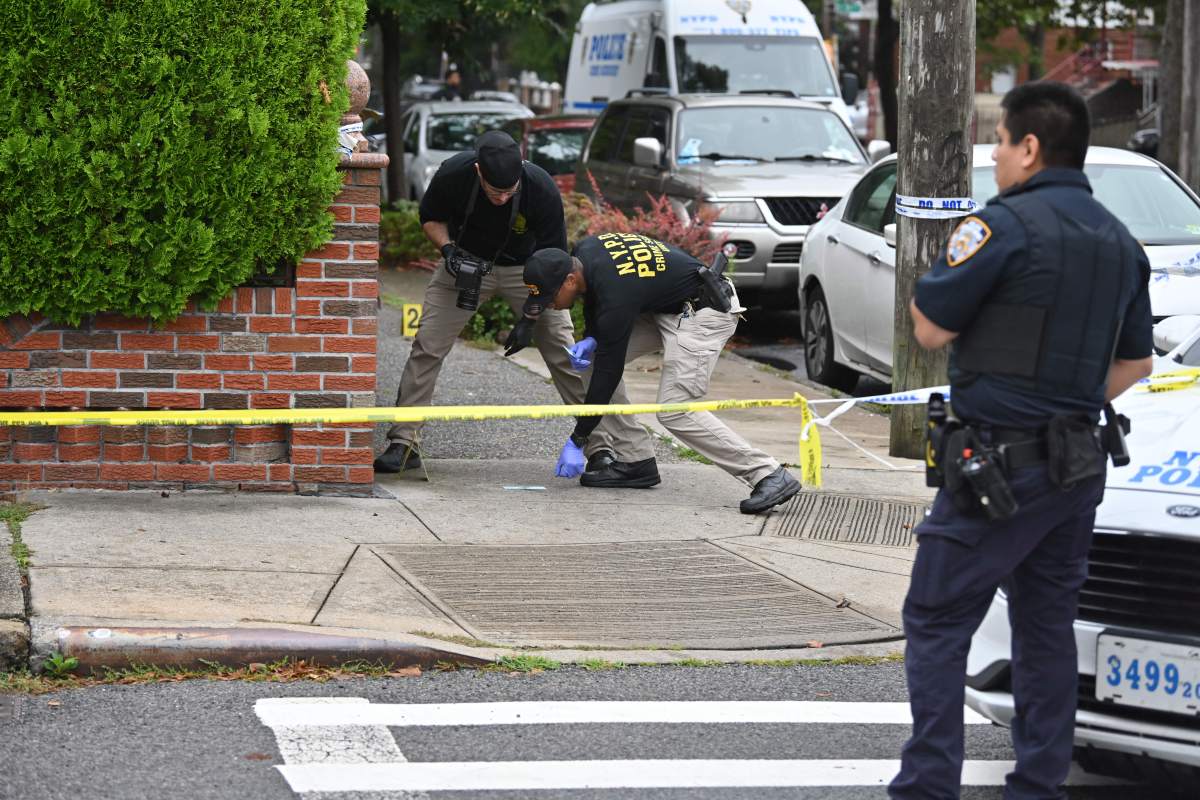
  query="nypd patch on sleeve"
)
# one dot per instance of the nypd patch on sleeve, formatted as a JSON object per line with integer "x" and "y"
{"x": 967, "y": 240}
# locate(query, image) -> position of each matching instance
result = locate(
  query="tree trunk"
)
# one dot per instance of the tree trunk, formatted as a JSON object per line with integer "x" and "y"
{"x": 1035, "y": 37}
{"x": 1170, "y": 85}
{"x": 1189, "y": 127}
{"x": 392, "y": 42}
{"x": 885, "y": 71}
{"x": 937, "y": 101}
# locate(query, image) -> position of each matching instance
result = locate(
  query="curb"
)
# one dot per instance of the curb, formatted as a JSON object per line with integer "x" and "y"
{"x": 98, "y": 648}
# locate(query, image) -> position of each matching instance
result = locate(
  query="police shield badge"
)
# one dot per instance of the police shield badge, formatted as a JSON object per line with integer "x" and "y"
{"x": 967, "y": 239}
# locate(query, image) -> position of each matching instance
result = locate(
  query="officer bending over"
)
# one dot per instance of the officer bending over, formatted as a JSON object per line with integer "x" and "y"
{"x": 487, "y": 211}
{"x": 641, "y": 296}
{"x": 1043, "y": 299}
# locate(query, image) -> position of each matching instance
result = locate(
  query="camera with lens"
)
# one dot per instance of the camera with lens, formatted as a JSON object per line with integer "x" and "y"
{"x": 469, "y": 272}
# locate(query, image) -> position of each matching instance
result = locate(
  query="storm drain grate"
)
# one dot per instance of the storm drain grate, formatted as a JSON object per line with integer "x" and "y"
{"x": 833, "y": 517}
{"x": 691, "y": 594}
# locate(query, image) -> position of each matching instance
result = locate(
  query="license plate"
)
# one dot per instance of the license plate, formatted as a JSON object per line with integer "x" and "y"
{"x": 1140, "y": 672}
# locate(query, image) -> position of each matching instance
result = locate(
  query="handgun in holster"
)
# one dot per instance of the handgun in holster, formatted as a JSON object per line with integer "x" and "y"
{"x": 716, "y": 288}
{"x": 1112, "y": 435}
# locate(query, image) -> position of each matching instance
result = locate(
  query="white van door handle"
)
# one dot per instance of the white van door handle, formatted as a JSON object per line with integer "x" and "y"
{"x": 831, "y": 239}
{"x": 875, "y": 259}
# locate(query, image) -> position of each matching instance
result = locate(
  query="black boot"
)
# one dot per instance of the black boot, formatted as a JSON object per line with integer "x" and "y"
{"x": 398, "y": 457}
{"x": 776, "y": 488}
{"x": 624, "y": 475}
{"x": 599, "y": 460}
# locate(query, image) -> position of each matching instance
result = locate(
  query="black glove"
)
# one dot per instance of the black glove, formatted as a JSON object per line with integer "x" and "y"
{"x": 520, "y": 336}
{"x": 449, "y": 253}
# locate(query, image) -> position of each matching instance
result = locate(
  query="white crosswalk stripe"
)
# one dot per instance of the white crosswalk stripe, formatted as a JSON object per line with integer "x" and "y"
{"x": 345, "y": 745}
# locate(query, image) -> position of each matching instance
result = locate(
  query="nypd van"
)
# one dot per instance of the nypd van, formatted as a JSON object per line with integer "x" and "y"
{"x": 701, "y": 46}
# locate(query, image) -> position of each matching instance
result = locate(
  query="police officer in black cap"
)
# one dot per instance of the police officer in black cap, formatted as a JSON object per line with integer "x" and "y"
{"x": 643, "y": 296}
{"x": 1043, "y": 298}
{"x": 487, "y": 210}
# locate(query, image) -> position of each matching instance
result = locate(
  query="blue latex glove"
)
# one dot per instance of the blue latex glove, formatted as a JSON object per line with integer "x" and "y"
{"x": 581, "y": 353}
{"x": 570, "y": 462}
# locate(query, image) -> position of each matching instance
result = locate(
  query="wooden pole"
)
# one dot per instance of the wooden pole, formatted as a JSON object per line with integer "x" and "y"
{"x": 1170, "y": 85}
{"x": 937, "y": 102}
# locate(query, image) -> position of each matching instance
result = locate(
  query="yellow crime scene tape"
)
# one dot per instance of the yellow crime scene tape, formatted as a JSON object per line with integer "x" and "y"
{"x": 810, "y": 441}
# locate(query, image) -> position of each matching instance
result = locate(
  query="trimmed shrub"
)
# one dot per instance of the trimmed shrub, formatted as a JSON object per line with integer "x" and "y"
{"x": 154, "y": 152}
{"x": 659, "y": 221}
{"x": 401, "y": 236}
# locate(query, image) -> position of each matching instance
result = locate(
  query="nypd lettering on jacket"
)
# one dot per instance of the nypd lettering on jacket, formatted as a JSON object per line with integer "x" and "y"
{"x": 1181, "y": 469}
{"x": 634, "y": 254}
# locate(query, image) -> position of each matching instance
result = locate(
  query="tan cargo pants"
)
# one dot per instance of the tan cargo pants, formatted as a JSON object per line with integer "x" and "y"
{"x": 691, "y": 346}
{"x": 441, "y": 323}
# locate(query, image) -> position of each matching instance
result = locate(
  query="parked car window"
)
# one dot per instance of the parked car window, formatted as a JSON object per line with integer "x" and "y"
{"x": 872, "y": 199}
{"x": 1154, "y": 208}
{"x": 651, "y": 122}
{"x": 738, "y": 63}
{"x": 608, "y": 132}
{"x": 556, "y": 151}
{"x": 765, "y": 133}
{"x": 412, "y": 139}
{"x": 459, "y": 131}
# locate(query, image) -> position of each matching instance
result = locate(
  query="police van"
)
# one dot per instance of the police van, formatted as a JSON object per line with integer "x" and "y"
{"x": 701, "y": 46}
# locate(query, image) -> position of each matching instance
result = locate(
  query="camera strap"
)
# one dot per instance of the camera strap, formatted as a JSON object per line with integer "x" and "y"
{"x": 512, "y": 216}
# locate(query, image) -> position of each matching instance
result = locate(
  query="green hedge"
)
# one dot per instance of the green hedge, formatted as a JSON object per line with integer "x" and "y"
{"x": 155, "y": 151}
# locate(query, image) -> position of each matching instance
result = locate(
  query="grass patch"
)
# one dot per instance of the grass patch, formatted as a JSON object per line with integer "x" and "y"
{"x": 284, "y": 671}
{"x": 868, "y": 661}
{"x": 393, "y": 300}
{"x": 600, "y": 665}
{"x": 529, "y": 664}
{"x": 12, "y": 514}
{"x": 696, "y": 662}
{"x": 467, "y": 641}
{"x": 691, "y": 455}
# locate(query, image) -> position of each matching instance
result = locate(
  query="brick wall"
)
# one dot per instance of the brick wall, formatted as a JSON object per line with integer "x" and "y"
{"x": 307, "y": 345}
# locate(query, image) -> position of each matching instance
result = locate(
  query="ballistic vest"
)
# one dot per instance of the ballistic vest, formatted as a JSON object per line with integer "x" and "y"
{"x": 1051, "y": 327}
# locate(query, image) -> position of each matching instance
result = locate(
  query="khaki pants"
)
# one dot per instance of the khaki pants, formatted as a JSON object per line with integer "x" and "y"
{"x": 441, "y": 323}
{"x": 691, "y": 346}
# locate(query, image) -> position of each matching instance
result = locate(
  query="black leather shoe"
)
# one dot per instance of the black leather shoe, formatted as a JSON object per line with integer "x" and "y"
{"x": 624, "y": 475}
{"x": 776, "y": 488}
{"x": 398, "y": 457}
{"x": 599, "y": 460}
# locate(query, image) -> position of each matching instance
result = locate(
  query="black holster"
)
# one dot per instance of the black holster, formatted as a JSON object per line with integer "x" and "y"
{"x": 976, "y": 476}
{"x": 1075, "y": 451}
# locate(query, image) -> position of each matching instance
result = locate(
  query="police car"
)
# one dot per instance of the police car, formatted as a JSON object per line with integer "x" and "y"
{"x": 848, "y": 264}
{"x": 1138, "y": 624}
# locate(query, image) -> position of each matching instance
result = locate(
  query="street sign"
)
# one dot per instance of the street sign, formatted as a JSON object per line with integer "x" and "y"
{"x": 857, "y": 9}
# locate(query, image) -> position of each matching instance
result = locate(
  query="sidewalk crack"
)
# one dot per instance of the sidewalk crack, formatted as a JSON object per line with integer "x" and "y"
{"x": 333, "y": 585}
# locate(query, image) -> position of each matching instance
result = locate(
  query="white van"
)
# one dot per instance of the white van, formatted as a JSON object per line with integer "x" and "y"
{"x": 698, "y": 46}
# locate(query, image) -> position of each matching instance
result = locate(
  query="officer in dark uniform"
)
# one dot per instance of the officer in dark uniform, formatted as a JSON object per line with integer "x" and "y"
{"x": 643, "y": 296}
{"x": 1043, "y": 295}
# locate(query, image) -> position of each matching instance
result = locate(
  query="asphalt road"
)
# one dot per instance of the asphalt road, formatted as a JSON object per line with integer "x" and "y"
{"x": 203, "y": 739}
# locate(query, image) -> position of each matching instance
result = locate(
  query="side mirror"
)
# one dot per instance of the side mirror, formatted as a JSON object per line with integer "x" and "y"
{"x": 849, "y": 88}
{"x": 647, "y": 152}
{"x": 889, "y": 234}
{"x": 878, "y": 149}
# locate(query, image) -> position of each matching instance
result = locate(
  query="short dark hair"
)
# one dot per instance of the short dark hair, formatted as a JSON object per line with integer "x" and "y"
{"x": 1056, "y": 114}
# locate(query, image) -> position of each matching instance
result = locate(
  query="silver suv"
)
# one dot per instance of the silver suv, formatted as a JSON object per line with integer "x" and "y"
{"x": 772, "y": 165}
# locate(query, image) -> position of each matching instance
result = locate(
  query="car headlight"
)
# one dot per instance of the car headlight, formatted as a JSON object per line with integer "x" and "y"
{"x": 737, "y": 211}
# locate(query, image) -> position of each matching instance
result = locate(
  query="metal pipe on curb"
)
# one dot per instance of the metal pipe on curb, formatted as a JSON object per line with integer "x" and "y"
{"x": 116, "y": 648}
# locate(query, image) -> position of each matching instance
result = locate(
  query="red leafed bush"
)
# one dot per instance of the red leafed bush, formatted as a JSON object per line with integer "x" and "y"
{"x": 659, "y": 221}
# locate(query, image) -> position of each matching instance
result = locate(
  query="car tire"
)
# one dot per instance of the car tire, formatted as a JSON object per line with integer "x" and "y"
{"x": 818, "y": 345}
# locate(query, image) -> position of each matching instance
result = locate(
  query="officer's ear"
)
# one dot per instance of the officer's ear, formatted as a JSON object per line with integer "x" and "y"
{"x": 1031, "y": 153}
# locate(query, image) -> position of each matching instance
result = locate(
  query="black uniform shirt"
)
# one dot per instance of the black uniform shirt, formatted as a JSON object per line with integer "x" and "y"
{"x": 627, "y": 275}
{"x": 983, "y": 251}
{"x": 539, "y": 222}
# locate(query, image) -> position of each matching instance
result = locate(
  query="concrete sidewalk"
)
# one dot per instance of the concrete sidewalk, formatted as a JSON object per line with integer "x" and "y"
{"x": 491, "y": 555}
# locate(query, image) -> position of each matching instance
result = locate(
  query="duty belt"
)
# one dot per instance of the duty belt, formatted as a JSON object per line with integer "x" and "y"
{"x": 1020, "y": 448}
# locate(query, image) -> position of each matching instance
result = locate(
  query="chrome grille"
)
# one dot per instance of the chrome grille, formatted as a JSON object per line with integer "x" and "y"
{"x": 788, "y": 253}
{"x": 1143, "y": 583}
{"x": 798, "y": 210}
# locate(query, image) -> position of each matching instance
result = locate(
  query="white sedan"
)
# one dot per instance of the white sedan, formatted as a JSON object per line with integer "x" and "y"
{"x": 848, "y": 272}
{"x": 1138, "y": 624}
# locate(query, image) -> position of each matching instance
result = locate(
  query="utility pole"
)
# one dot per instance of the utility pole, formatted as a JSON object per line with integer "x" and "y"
{"x": 1170, "y": 85}
{"x": 1189, "y": 124}
{"x": 937, "y": 103}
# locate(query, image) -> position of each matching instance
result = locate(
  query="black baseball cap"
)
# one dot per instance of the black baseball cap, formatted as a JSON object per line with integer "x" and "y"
{"x": 499, "y": 159}
{"x": 544, "y": 274}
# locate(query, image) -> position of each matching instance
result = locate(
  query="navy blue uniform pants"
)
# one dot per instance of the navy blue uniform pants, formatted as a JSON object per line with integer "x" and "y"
{"x": 1040, "y": 557}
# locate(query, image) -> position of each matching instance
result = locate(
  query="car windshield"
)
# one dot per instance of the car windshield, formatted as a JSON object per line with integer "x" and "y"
{"x": 459, "y": 131}
{"x": 732, "y": 64}
{"x": 1146, "y": 199}
{"x": 765, "y": 133}
{"x": 556, "y": 151}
